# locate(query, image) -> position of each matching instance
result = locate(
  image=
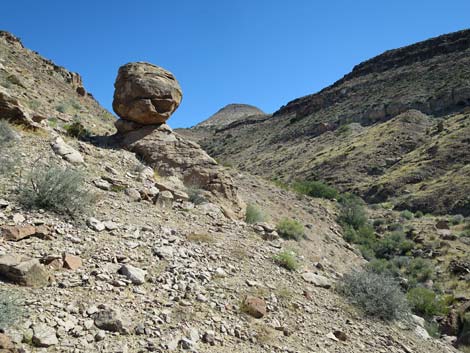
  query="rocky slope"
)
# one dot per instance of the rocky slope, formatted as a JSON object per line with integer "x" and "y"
{"x": 146, "y": 268}
{"x": 229, "y": 114}
{"x": 354, "y": 135}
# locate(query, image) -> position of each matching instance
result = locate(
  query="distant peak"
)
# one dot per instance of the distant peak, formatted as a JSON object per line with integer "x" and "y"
{"x": 230, "y": 113}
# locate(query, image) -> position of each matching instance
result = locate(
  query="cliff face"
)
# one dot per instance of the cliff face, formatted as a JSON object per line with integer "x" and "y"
{"x": 330, "y": 135}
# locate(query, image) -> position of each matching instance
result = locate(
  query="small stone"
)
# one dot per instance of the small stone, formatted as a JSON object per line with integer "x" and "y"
{"x": 100, "y": 336}
{"x": 209, "y": 337}
{"x": 5, "y": 342}
{"x": 95, "y": 224}
{"x": 133, "y": 194}
{"x": 332, "y": 336}
{"x": 18, "y": 218}
{"x": 110, "y": 225}
{"x": 110, "y": 320}
{"x": 254, "y": 306}
{"x": 72, "y": 262}
{"x": 340, "y": 335}
{"x": 165, "y": 199}
{"x": 103, "y": 184}
{"x": 134, "y": 274}
{"x": 44, "y": 336}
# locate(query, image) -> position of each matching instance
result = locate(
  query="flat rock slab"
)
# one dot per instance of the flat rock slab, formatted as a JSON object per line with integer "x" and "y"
{"x": 16, "y": 233}
{"x": 23, "y": 271}
{"x": 44, "y": 336}
{"x": 317, "y": 280}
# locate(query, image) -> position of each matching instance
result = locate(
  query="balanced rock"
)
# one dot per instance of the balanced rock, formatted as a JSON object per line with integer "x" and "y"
{"x": 145, "y": 93}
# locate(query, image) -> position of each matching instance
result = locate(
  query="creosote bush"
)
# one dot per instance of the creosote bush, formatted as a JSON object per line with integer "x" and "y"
{"x": 352, "y": 212}
{"x": 54, "y": 188}
{"x": 290, "y": 229}
{"x": 254, "y": 214}
{"x": 77, "y": 130}
{"x": 407, "y": 215}
{"x": 287, "y": 259}
{"x": 377, "y": 295}
{"x": 315, "y": 189}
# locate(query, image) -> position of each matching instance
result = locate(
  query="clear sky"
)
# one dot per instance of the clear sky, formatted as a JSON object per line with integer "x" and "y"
{"x": 258, "y": 52}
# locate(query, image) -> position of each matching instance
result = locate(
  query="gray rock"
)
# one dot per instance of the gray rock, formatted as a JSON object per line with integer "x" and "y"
{"x": 317, "y": 280}
{"x": 44, "y": 336}
{"x": 134, "y": 274}
{"x": 111, "y": 320}
{"x": 66, "y": 152}
{"x": 24, "y": 271}
{"x": 165, "y": 199}
{"x": 95, "y": 224}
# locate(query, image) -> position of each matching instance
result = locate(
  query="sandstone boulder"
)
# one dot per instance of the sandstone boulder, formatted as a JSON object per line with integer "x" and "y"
{"x": 145, "y": 93}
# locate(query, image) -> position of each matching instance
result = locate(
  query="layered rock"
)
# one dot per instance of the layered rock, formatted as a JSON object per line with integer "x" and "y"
{"x": 145, "y": 94}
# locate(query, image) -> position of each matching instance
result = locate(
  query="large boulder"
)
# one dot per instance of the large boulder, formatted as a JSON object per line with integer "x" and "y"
{"x": 145, "y": 94}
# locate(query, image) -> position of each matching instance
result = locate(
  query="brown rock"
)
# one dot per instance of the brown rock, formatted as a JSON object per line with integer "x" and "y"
{"x": 72, "y": 262}
{"x": 254, "y": 306}
{"x": 16, "y": 233}
{"x": 145, "y": 93}
{"x": 442, "y": 225}
{"x": 5, "y": 342}
{"x": 23, "y": 271}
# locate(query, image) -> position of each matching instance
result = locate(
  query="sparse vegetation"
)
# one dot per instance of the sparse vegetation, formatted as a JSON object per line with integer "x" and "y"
{"x": 77, "y": 130}
{"x": 287, "y": 259}
{"x": 408, "y": 215}
{"x": 315, "y": 189}
{"x": 195, "y": 195}
{"x": 54, "y": 188}
{"x": 352, "y": 212}
{"x": 200, "y": 238}
{"x": 290, "y": 229}
{"x": 426, "y": 303}
{"x": 10, "y": 309}
{"x": 254, "y": 214}
{"x": 377, "y": 295}
{"x": 8, "y": 159}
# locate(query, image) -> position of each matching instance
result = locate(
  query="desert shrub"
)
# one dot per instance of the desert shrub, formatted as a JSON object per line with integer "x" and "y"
{"x": 432, "y": 328}
{"x": 457, "y": 219}
{"x": 7, "y": 134}
{"x": 352, "y": 212}
{"x": 384, "y": 267}
{"x": 287, "y": 259}
{"x": 418, "y": 270}
{"x": 395, "y": 227}
{"x": 253, "y": 214}
{"x": 315, "y": 189}
{"x": 392, "y": 245}
{"x": 10, "y": 309}
{"x": 406, "y": 215}
{"x": 77, "y": 130}
{"x": 61, "y": 108}
{"x": 57, "y": 189}
{"x": 419, "y": 214}
{"x": 426, "y": 303}
{"x": 195, "y": 195}
{"x": 290, "y": 229}
{"x": 377, "y": 295}
{"x": 378, "y": 222}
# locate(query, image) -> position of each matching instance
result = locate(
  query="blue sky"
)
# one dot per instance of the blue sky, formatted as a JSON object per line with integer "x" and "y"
{"x": 263, "y": 53}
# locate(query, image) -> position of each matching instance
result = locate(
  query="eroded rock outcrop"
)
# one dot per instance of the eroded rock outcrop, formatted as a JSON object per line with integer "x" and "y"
{"x": 146, "y": 94}
{"x": 141, "y": 130}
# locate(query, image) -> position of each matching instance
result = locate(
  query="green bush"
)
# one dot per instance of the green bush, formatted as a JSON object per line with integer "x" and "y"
{"x": 418, "y": 270}
{"x": 315, "y": 189}
{"x": 287, "y": 259}
{"x": 290, "y": 229}
{"x": 57, "y": 189}
{"x": 253, "y": 214}
{"x": 77, "y": 130}
{"x": 407, "y": 215}
{"x": 383, "y": 267}
{"x": 352, "y": 212}
{"x": 426, "y": 303}
{"x": 377, "y": 295}
{"x": 10, "y": 309}
{"x": 8, "y": 157}
{"x": 419, "y": 214}
{"x": 195, "y": 195}
{"x": 392, "y": 245}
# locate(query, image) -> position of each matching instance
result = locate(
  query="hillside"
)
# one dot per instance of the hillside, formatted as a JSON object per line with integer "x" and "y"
{"x": 123, "y": 236}
{"x": 395, "y": 129}
{"x": 229, "y": 114}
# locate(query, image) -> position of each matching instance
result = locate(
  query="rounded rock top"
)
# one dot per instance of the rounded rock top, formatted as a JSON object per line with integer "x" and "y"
{"x": 145, "y": 93}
